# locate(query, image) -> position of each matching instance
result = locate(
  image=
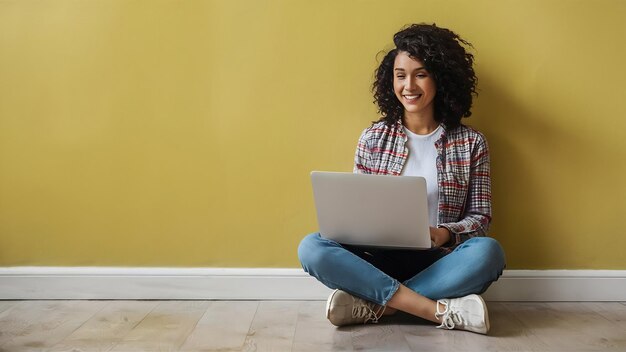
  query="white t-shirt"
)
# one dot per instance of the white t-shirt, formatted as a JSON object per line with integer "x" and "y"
{"x": 422, "y": 161}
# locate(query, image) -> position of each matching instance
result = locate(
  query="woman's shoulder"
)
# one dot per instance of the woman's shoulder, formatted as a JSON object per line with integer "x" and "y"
{"x": 379, "y": 129}
{"x": 468, "y": 133}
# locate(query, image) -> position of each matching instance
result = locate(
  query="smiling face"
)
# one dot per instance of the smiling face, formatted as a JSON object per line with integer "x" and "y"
{"x": 414, "y": 86}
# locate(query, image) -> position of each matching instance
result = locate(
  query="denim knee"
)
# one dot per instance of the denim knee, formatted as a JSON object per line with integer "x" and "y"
{"x": 309, "y": 252}
{"x": 490, "y": 250}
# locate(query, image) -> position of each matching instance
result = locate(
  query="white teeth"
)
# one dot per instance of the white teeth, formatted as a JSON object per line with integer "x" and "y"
{"x": 412, "y": 96}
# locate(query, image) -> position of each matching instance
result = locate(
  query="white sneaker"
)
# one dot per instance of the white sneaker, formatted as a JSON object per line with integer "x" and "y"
{"x": 344, "y": 309}
{"x": 464, "y": 313}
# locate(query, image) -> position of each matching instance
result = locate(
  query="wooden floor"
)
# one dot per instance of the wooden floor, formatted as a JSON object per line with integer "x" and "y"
{"x": 295, "y": 326}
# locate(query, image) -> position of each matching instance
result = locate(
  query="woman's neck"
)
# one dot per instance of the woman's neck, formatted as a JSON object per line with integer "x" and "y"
{"x": 420, "y": 124}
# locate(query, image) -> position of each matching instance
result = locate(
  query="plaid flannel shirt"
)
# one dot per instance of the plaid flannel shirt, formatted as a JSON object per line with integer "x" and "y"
{"x": 462, "y": 174}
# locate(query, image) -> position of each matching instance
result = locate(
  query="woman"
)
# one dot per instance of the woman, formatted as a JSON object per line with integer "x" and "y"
{"x": 423, "y": 87}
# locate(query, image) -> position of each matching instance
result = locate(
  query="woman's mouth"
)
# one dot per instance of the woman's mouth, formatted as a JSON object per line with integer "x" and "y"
{"x": 411, "y": 98}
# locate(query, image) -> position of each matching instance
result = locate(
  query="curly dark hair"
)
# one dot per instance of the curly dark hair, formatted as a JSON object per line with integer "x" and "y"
{"x": 445, "y": 58}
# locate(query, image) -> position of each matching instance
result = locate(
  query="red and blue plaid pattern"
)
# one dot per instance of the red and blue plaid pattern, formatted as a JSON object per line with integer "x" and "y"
{"x": 462, "y": 173}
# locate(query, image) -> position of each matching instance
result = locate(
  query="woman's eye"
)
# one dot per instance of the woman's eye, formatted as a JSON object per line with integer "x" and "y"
{"x": 400, "y": 77}
{"x": 421, "y": 75}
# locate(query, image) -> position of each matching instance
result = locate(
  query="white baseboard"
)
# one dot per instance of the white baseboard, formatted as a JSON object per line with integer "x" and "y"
{"x": 275, "y": 284}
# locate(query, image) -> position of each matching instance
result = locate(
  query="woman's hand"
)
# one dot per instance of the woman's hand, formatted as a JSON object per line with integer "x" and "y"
{"x": 439, "y": 236}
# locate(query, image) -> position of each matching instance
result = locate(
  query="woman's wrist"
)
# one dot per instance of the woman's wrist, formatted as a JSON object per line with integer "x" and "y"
{"x": 444, "y": 236}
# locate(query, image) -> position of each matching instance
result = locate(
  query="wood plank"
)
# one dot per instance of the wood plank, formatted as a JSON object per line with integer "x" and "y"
{"x": 14, "y": 319}
{"x": 273, "y": 326}
{"x": 507, "y": 334}
{"x": 6, "y": 305}
{"x": 423, "y": 335}
{"x": 106, "y": 329}
{"x": 379, "y": 337}
{"x": 594, "y": 329}
{"x": 165, "y": 328}
{"x": 38, "y": 325}
{"x": 613, "y": 311}
{"x": 298, "y": 326}
{"x": 224, "y": 327}
{"x": 568, "y": 326}
{"x": 18, "y": 318}
{"x": 315, "y": 333}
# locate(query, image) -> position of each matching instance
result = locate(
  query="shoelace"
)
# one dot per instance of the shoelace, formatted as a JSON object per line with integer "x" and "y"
{"x": 449, "y": 318}
{"x": 362, "y": 310}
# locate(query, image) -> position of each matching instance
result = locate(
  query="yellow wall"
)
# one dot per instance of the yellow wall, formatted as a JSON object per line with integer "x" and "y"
{"x": 181, "y": 133}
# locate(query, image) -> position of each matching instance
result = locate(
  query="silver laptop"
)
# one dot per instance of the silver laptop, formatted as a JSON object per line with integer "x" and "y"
{"x": 372, "y": 210}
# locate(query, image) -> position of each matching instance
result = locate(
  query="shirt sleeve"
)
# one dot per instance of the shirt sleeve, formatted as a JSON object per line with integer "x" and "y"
{"x": 363, "y": 156}
{"x": 477, "y": 215}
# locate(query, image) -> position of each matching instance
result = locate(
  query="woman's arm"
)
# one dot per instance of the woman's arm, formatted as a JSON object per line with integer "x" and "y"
{"x": 477, "y": 214}
{"x": 439, "y": 236}
{"x": 362, "y": 157}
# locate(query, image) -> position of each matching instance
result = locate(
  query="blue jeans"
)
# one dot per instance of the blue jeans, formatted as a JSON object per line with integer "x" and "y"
{"x": 375, "y": 274}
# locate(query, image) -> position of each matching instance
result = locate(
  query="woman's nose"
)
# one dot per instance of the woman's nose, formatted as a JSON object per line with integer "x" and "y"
{"x": 410, "y": 83}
